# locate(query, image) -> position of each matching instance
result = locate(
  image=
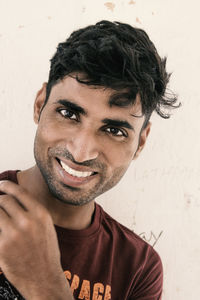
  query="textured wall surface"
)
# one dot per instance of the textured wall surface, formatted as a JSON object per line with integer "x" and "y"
{"x": 159, "y": 197}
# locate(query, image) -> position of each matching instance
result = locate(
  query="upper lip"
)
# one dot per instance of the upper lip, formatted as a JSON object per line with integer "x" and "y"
{"x": 74, "y": 166}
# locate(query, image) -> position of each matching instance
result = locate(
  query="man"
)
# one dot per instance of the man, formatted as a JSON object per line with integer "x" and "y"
{"x": 93, "y": 120}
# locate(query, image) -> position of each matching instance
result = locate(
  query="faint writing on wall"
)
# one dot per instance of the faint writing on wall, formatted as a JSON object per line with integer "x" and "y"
{"x": 150, "y": 237}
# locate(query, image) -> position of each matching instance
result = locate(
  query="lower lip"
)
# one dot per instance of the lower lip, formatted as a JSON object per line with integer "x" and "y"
{"x": 71, "y": 180}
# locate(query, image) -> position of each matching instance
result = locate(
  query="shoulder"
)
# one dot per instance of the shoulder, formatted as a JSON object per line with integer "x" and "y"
{"x": 125, "y": 235}
{"x": 4, "y": 175}
{"x": 9, "y": 175}
{"x": 120, "y": 231}
{"x": 137, "y": 256}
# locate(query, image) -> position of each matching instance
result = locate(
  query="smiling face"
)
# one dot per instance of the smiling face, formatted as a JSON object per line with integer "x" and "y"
{"x": 84, "y": 145}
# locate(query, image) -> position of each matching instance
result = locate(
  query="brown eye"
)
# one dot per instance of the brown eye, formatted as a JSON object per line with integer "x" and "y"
{"x": 68, "y": 114}
{"x": 115, "y": 131}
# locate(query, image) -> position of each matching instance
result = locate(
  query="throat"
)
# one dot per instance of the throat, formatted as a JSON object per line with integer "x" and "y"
{"x": 74, "y": 217}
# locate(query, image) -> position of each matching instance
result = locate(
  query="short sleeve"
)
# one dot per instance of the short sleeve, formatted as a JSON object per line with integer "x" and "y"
{"x": 150, "y": 282}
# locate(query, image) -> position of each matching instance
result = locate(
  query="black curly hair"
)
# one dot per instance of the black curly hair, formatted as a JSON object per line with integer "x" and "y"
{"x": 118, "y": 56}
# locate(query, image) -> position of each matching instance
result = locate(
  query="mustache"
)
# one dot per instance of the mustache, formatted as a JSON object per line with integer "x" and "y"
{"x": 93, "y": 163}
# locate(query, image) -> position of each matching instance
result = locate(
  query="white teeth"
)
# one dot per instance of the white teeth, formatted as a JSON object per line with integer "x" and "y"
{"x": 74, "y": 172}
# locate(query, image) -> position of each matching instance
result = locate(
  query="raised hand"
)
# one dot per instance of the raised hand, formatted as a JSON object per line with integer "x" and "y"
{"x": 29, "y": 252}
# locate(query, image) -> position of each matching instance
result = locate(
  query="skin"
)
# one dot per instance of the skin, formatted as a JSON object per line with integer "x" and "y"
{"x": 29, "y": 253}
{"x": 47, "y": 195}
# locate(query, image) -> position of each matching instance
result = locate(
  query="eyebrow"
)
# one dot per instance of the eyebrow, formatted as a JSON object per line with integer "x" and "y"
{"x": 117, "y": 123}
{"x": 72, "y": 106}
{"x": 121, "y": 99}
{"x": 111, "y": 122}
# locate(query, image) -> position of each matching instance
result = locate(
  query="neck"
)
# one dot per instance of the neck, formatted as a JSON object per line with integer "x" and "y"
{"x": 64, "y": 215}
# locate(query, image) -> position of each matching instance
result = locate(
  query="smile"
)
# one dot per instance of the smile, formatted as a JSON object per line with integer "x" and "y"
{"x": 73, "y": 172}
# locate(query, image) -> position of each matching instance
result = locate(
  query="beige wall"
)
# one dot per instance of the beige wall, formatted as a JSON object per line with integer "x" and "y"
{"x": 160, "y": 195}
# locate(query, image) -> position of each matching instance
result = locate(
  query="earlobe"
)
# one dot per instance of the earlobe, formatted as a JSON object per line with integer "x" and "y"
{"x": 39, "y": 102}
{"x": 142, "y": 139}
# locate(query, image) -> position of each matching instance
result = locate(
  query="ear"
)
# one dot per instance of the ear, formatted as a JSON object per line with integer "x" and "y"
{"x": 142, "y": 140}
{"x": 39, "y": 102}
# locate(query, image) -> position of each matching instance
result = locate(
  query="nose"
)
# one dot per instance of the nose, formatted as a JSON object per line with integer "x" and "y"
{"x": 83, "y": 146}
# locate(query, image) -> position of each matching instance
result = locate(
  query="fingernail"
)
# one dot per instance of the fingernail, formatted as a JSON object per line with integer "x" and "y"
{"x": 2, "y": 181}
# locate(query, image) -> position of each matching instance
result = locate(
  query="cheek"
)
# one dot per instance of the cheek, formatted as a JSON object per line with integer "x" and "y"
{"x": 44, "y": 139}
{"x": 47, "y": 134}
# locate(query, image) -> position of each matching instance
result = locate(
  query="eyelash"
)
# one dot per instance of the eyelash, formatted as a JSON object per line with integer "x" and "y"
{"x": 123, "y": 134}
{"x": 60, "y": 110}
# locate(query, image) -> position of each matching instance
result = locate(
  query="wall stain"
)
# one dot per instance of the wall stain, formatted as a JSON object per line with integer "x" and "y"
{"x": 191, "y": 201}
{"x": 138, "y": 20}
{"x": 49, "y": 17}
{"x": 188, "y": 199}
{"x": 110, "y": 5}
{"x": 21, "y": 26}
{"x": 132, "y": 2}
{"x": 83, "y": 9}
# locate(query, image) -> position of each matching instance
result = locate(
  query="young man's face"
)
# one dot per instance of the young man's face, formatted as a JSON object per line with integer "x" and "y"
{"x": 83, "y": 146}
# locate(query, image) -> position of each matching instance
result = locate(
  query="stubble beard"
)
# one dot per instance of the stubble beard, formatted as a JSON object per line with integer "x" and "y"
{"x": 76, "y": 196}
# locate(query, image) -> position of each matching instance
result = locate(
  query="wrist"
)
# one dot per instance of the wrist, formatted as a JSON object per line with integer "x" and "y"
{"x": 57, "y": 289}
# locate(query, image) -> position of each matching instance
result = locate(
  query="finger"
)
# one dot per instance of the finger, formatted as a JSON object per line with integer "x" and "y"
{"x": 12, "y": 189}
{"x": 4, "y": 220}
{"x": 15, "y": 190}
{"x": 11, "y": 206}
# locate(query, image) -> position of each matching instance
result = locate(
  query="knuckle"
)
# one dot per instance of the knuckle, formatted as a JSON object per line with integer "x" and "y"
{"x": 20, "y": 192}
{"x": 5, "y": 199}
{"x": 5, "y": 202}
{"x": 25, "y": 224}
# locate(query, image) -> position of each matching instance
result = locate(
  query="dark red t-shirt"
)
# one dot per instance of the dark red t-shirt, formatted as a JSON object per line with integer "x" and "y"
{"x": 105, "y": 261}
